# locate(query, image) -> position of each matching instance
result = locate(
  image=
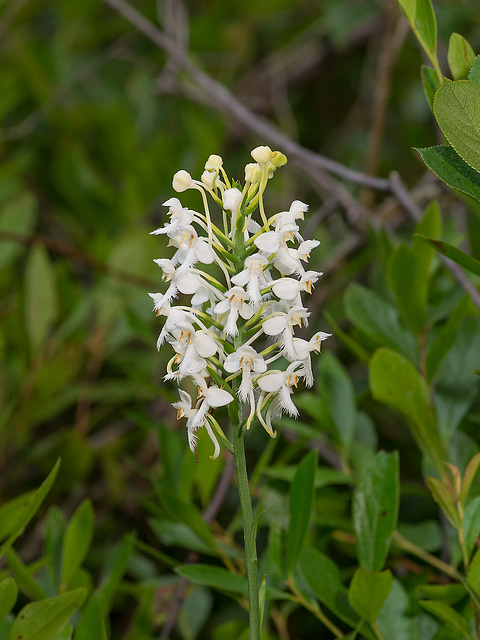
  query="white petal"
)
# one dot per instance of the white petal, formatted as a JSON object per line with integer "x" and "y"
{"x": 218, "y": 397}
{"x": 286, "y": 288}
{"x": 232, "y": 362}
{"x": 204, "y": 252}
{"x": 269, "y": 242}
{"x": 205, "y": 345}
{"x": 188, "y": 283}
{"x": 241, "y": 278}
{"x": 271, "y": 382}
{"x": 274, "y": 326}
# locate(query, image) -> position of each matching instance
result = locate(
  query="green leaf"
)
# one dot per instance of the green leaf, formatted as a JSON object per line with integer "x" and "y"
{"x": 430, "y": 225}
{"x": 323, "y": 578}
{"x": 24, "y": 576}
{"x": 45, "y": 620}
{"x": 426, "y": 24}
{"x": 114, "y": 567}
{"x": 409, "y": 8}
{"x": 324, "y": 476}
{"x": 449, "y": 167}
{"x": 469, "y": 476}
{"x": 456, "y": 110}
{"x": 9, "y": 510}
{"x": 448, "y": 615}
{"x": 41, "y": 297}
{"x": 18, "y": 218}
{"x": 29, "y": 509}
{"x": 378, "y": 319}
{"x": 395, "y": 382}
{"x": 339, "y": 398}
{"x": 474, "y": 75}
{"x": 301, "y": 503}
{"x": 473, "y": 576}
{"x": 471, "y": 524}
{"x": 187, "y": 513}
{"x": 375, "y": 510}
{"x": 445, "y": 338}
{"x": 445, "y": 499}
{"x": 426, "y": 535}
{"x": 430, "y": 83}
{"x": 457, "y": 255}
{"x": 219, "y": 578}
{"x": 8, "y": 596}
{"x": 460, "y": 56}
{"x": 409, "y": 285}
{"x": 77, "y": 540}
{"x": 368, "y": 592}
{"x": 92, "y": 623}
{"x": 448, "y": 593}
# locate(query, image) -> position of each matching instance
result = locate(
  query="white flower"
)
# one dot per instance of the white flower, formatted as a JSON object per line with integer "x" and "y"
{"x": 301, "y": 353}
{"x": 279, "y": 385}
{"x": 290, "y": 289}
{"x": 190, "y": 248}
{"x": 180, "y": 217}
{"x": 252, "y": 172}
{"x": 232, "y": 199}
{"x": 235, "y": 304}
{"x": 274, "y": 244}
{"x": 214, "y": 163}
{"x": 253, "y": 277}
{"x": 184, "y": 281}
{"x": 283, "y": 323}
{"x": 262, "y": 155}
{"x": 297, "y": 209}
{"x": 208, "y": 178}
{"x": 246, "y": 360}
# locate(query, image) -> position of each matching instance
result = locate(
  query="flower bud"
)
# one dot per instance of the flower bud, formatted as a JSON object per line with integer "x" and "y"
{"x": 278, "y": 159}
{"x": 213, "y": 163}
{"x": 232, "y": 199}
{"x": 182, "y": 181}
{"x": 262, "y": 155}
{"x": 252, "y": 172}
{"x": 208, "y": 178}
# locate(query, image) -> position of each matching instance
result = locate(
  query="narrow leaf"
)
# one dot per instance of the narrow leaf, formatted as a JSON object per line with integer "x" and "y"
{"x": 409, "y": 285}
{"x": 460, "y": 56}
{"x": 41, "y": 299}
{"x": 474, "y": 75}
{"x": 409, "y": 8}
{"x": 473, "y": 577}
{"x": 426, "y": 24}
{"x": 457, "y": 255}
{"x": 45, "y": 620}
{"x": 470, "y": 473}
{"x": 471, "y": 524}
{"x": 375, "y": 510}
{"x": 339, "y": 398}
{"x": 301, "y": 503}
{"x": 8, "y": 596}
{"x": 368, "y": 592}
{"x": 456, "y": 110}
{"x": 29, "y": 509}
{"x": 77, "y": 539}
{"x": 448, "y": 615}
{"x": 445, "y": 499}
{"x": 449, "y": 167}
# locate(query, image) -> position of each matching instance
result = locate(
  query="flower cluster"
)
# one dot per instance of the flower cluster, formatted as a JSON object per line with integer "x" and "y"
{"x": 235, "y": 341}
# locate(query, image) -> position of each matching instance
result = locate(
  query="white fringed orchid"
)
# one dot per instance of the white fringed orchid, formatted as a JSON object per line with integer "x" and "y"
{"x": 238, "y": 314}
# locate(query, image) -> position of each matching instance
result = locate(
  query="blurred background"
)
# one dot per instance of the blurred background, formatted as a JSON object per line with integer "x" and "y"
{"x": 95, "y": 120}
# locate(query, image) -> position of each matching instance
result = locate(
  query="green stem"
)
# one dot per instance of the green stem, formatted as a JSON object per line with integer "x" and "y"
{"x": 248, "y": 528}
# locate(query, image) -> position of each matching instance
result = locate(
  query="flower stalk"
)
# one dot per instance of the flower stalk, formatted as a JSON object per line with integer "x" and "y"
{"x": 235, "y": 339}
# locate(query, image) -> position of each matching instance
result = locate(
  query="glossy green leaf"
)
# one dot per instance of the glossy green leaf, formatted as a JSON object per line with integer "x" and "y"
{"x": 409, "y": 285}
{"x": 445, "y": 338}
{"x": 474, "y": 74}
{"x": 460, "y": 56}
{"x": 301, "y": 503}
{"x": 430, "y": 225}
{"x": 29, "y": 508}
{"x": 368, "y": 592}
{"x": 8, "y": 596}
{"x": 471, "y": 524}
{"x": 430, "y": 83}
{"x": 449, "y": 167}
{"x": 379, "y": 319}
{"x": 426, "y": 535}
{"x": 426, "y": 24}
{"x": 9, "y": 510}
{"x": 114, "y": 567}
{"x": 324, "y": 476}
{"x": 41, "y": 296}
{"x": 457, "y": 255}
{"x": 395, "y": 382}
{"x": 45, "y": 620}
{"x": 339, "y": 398}
{"x": 375, "y": 510}
{"x": 449, "y": 616}
{"x": 456, "y": 110}
{"x": 445, "y": 499}
{"x": 77, "y": 540}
